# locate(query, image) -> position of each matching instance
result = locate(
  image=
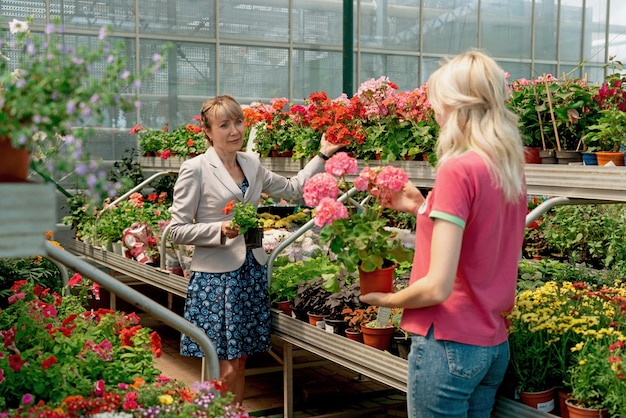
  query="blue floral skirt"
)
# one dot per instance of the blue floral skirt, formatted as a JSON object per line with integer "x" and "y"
{"x": 232, "y": 308}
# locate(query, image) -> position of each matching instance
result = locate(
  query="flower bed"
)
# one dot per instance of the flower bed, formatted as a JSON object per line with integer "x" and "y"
{"x": 60, "y": 360}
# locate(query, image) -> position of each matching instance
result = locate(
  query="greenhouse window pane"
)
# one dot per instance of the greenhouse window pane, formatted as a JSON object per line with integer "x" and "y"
{"x": 20, "y": 10}
{"x": 120, "y": 14}
{"x": 449, "y": 26}
{"x": 318, "y": 22}
{"x": 505, "y": 28}
{"x": 253, "y": 73}
{"x": 402, "y": 70}
{"x": 545, "y": 29}
{"x": 258, "y": 21}
{"x": 391, "y": 24}
{"x": 571, "y": 37}
{"x": 317, "y": 71}
{"x": 188, "y": 18}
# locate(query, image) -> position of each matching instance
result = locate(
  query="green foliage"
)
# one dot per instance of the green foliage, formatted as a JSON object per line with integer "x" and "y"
{"x": 245, "y": 217}
{"x": 362, "y": 240}
{"x": 32, "y": 269}
{"x": 127, "y": 171}
{"x": 593, "y": 234}
{"x": 609, "y": 133}
{"x": 287, "y": 277}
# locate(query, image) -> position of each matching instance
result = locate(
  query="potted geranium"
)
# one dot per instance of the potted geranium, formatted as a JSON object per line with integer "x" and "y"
{"x": 357, "y": 235}
{"x": 245, "y": 217}
{"x": 51, "y": 91}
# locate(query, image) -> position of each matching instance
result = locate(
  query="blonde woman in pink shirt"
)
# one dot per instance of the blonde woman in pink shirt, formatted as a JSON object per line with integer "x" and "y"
{"x": 469, "y": 233}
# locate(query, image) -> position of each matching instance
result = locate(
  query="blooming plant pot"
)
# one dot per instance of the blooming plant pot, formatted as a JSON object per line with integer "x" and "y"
{"x": 379, "y": 338}
{"x": 354, "y": 335}
{"x": 377, "y": 281}
{"x": 254, "y": 237}
{"x": 575, "y": 411}
{"x": 542, "y": 401}
{"x": 13, "y": 162}
{"x": 610, "y": 158}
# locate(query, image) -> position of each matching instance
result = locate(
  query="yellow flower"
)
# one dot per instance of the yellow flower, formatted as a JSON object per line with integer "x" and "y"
{"x": 166, "y": 399}
{"x": 582, "y": 362}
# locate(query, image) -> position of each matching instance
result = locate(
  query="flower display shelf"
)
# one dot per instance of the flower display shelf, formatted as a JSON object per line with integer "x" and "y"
{"x": 381, "y": 366}
{"x": 159, "y": 164}
{"x": 572, "y": 181}
{"x": 24, "y": 219}
{"x": 171, "y": 283}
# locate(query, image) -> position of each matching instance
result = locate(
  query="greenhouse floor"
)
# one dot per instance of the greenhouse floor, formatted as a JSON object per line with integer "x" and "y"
{"x": 321, "y": 388}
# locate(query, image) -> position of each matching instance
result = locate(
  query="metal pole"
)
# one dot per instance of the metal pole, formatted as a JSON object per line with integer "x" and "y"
{"x": 348, "y": 42}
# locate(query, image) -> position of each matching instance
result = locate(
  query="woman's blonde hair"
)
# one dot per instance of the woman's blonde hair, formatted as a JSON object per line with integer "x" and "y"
{"x": 219, "y": 107}
{"x": 471, "y": 90}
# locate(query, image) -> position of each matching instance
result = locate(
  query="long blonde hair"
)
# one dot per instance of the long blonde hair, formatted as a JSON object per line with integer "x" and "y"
{"x": 471, "y": 90}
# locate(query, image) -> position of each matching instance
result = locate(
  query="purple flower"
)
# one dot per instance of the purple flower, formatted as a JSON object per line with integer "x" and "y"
{"x": 70, "y": 107}
{"x": 27, "y": 399}
{"x": 95, "y": 98}
{"x": 20, "y": 83}
{"x": 156, "y": 57}
{"x": 81, "y": 169}
{"x": 49, "y": 30}
{"x": 125, "y": 75}
{"x": 103, "y": 33}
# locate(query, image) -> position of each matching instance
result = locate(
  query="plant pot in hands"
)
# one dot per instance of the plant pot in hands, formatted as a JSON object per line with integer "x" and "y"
{"x": 380, "y": 280}
{"x": 254, "y": 237}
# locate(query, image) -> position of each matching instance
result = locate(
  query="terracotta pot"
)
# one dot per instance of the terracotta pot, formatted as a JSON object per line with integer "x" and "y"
{"x": 378, "y": 337}
{"x": 354, "y": 335}
{"x": 377, "y": 281}
{"x": 564, "y": 395}
{"x": 579, "y": 412}
{"x": 285, "y": 307}
{"x": 606, "y": 157}
{"x": 543, "y": 400}
{"x": 14, "y": 162}
{"x": 531, "y": 155}
{"x": 314, "y": 318}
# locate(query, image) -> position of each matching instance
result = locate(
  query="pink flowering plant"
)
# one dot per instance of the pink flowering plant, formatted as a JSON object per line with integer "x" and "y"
{"x": 398, "y": 125}
{"x": 356, "y": 233}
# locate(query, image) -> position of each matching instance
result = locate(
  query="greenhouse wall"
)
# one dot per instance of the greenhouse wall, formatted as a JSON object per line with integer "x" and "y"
{"x": 256, "y": 50}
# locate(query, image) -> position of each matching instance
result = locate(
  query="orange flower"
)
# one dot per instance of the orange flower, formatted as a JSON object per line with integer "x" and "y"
{"x": 229, "y": 206}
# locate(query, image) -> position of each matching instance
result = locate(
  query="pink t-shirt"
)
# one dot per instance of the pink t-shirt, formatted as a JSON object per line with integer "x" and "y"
{"x": 493, "y": 233}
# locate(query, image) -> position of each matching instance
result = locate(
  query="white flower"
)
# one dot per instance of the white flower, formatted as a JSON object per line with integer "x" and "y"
{"x": 16, "y": 26}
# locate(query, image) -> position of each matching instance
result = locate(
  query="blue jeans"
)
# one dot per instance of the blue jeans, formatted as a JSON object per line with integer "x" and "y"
{"x": 449, "y": 379}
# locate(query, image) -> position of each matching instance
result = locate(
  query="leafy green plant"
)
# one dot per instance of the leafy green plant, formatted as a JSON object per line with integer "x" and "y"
{"x": 609, "y": 133}
{"x": 245, "y": 215}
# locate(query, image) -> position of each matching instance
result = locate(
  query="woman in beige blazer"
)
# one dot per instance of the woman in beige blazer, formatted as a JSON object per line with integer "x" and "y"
{"x": 227, "y": 294}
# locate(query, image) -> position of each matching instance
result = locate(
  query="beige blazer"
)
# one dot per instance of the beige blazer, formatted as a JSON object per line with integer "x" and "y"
{"x": 204, "y": 187}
